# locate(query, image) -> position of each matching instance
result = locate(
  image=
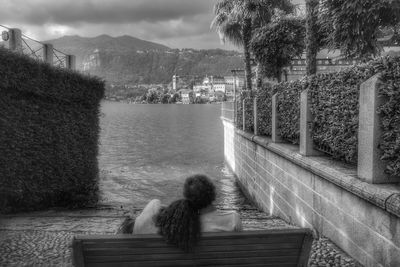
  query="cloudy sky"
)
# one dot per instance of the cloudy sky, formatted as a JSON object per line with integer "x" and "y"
{"x": 175, "y": 23}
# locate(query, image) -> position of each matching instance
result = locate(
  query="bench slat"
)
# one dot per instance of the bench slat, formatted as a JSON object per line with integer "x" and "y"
{"x": 200, "y": 251}
{"x": 278, "y": 261}
{"x": 208, "y": 255}
{"x": 208, "y": 235}
{"x": 288, "y": 247}
{"x": 296, "y": 239}
{"x": 174, "y": 250}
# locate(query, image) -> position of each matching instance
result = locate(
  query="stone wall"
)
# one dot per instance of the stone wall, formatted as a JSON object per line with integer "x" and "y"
{"x": 361, "y": 218}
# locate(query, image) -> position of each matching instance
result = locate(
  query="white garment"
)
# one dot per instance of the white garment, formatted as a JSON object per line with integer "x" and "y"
{"x": 211, "y": 221}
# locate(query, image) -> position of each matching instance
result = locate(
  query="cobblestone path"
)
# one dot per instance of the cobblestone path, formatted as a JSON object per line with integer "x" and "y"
{"x": 44, "y": 238}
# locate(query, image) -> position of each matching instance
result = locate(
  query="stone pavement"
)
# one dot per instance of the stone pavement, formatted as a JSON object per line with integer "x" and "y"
{"x": 44, "y": 238}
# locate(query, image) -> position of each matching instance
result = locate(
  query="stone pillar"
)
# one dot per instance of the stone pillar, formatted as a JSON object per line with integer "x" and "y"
{"x": 255, "y": 116}
{"x": 244, "y": 114}
{"x": 275, "y": 132}
{"x": 306, "y": 118}
{"x": 370, "y": 168}
{"x": 48, "y": 53}
{"x": 15, "y": 41}
{"x": 71, "y": 62}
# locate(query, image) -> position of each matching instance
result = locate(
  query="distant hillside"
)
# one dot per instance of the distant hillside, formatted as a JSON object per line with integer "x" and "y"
{"x": 127, "y": 59}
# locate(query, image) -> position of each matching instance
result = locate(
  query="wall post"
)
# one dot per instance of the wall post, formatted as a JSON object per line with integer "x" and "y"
{"x": 71, "y": 62}
{"x": 48, "y": 53}
{"x": 306, "y": 118}
{"x": 275, "y": 132}
{"x": 370, "y": 168}
{"x": 255, "y": 116}
{"x": 244, "y": 114}
{"x": 15, "y": 41}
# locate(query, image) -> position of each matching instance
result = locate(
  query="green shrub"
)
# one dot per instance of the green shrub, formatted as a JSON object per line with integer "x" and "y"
{"x": 288, "y": 109}
{"x": 334, "y": 105}
{"x": 264, "y": 109}
{"x": 390, "y": 115}
{"x": 49, "y": 131}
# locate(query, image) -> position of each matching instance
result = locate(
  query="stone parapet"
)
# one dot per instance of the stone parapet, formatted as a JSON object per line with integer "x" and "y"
{"x": 317, "y": 192}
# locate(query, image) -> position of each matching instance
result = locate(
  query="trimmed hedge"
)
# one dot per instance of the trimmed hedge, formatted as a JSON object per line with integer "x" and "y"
{"x": 335, "y": 107}
{"x": 264, "y": 109}
{"x": 288, "y": 108}
{"x": 49, "y": 132}
{"x": 334, "y": 104}
{"x": 390, "y": 115}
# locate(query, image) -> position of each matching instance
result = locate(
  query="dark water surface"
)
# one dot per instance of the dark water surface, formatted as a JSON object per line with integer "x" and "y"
{"x": 147, "y": 151}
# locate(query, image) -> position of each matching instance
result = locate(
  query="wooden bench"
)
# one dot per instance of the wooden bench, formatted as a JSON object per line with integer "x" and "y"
{"x": 286, "y": 247}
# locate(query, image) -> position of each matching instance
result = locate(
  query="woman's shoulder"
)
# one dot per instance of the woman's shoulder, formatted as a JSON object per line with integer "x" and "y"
{"x": 153, "y": 204}
{"x": 144, "y": 223}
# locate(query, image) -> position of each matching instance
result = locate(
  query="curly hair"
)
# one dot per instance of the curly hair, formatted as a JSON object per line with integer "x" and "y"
{"x": 179, "y": 223}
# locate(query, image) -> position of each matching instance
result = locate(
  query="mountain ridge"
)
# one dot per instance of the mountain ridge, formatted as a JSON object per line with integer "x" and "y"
{"x": 126, "y": 59}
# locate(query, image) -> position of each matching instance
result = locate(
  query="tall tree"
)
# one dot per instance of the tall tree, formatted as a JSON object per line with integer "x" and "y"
{"x": 355, "y": 24}
{"x": 276, "y": 44}
{"x": 311, "y": 36}
{"x": 235, "y": 21}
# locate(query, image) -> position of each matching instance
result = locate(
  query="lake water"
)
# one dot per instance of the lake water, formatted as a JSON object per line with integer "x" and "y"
{"x": 146, "y": 152}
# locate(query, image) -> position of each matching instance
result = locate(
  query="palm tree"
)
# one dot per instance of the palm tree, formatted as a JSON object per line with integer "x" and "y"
{"x": 235, "y": 21}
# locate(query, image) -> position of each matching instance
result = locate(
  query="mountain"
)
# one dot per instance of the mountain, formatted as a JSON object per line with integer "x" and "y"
{"x": 127, "y": 60}
{"x": 81, "y": 47}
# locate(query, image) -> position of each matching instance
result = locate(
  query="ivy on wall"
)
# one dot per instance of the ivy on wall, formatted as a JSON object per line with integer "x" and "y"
{"x": 49, "y": 131}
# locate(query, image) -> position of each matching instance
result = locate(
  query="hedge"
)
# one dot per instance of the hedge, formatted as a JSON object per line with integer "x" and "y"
{"x": 49, "y": 132}
{"x": 288, "y": 109}
{"x": 264, "y": 108}
{"x": 390, "y": 115}
{"x": 334, "y": 105}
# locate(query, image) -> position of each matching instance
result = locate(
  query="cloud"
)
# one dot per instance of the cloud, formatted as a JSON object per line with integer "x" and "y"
{"x": 175, "y": 23}
{"x": 39, "y": 12}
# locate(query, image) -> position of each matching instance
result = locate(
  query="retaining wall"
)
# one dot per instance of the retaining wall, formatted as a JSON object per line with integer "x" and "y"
{"x": 361, "y": 218}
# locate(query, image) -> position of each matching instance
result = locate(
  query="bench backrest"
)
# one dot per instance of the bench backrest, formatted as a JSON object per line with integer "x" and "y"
{"x": 288, "y": 247}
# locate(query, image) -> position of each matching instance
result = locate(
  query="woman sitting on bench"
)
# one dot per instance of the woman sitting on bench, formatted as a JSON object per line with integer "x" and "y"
{"x": 182, "y": 222}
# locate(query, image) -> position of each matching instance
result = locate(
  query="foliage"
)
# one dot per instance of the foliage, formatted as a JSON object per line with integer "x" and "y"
{"x": 153, "y": 96}
{"x": 288, "y": 109}
{"x": 390, "y": 115}
{"x": 165, "y": 98}
{"x": 174, "y": 98}
{"x": 276, "y": 44}
{"x": 49, "y": 132}
{"x": 355, "y": 24}
{"x": 236, "y": 20}
{"x": 311, "y": 39}
{"x": 264, "y": 108}
{"x": 200, "y": 100}
{"x": 334, "y": 105}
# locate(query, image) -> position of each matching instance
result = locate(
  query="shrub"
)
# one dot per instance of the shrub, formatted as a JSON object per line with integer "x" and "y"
{"x": 264, "y": 109}
{"x": 49, "y": 131}
{"x": 288, "y": 109}
{"x": 334, "y": 104}
{"x": 390, "y": 115}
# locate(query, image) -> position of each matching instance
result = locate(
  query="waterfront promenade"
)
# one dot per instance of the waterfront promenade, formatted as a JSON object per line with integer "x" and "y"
{"x": 44, "y": 238}
{"x": 138, "y": 164}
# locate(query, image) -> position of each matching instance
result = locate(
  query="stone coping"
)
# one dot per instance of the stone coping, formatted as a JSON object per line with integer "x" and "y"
{"x": 385, "y": 196}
